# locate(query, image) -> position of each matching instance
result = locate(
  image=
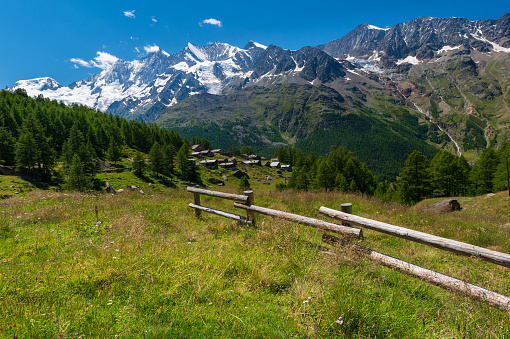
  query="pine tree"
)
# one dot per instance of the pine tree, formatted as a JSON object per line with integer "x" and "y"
{"x": 157, "y": 159}
{"x": 26, "y": 152}
{"x": 482, "y": 174}
{"x": 183, "y": 164}
{"x": 444, "y": 171}
{"x": 244, "y": 183}
{"x": 139, "y": 165}
{"x": 414, "y": 179}
{"x": 7, "y": 142}
{"x": 169, "y": 154}
{"x": 76, "y": 178}
{"x": 114, "y": 151}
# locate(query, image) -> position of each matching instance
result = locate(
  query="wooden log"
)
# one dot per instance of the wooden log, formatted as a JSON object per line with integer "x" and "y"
{"x": 475, "y": 292}
{"x": 236, "y": 197}
{"x": 323, "y": 225}
{"x": 454, "y": 246}
{"x": 221, "y": 213}
{"x": 198, "y": 212}
{"x": 432, "y": 277}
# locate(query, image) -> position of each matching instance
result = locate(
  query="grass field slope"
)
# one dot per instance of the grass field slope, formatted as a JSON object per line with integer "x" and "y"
{"x": 79, "y": 265}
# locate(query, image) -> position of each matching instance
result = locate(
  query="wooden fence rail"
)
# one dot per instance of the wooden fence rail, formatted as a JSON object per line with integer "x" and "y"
{"x": 323, "y": 225}
{"x": 247, "y": 198}
{"x": 442, "y": 280}
{"x": 458, "y": 247}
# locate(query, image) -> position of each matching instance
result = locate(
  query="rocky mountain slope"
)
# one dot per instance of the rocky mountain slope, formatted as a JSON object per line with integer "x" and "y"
{"x": 446, "y": 81}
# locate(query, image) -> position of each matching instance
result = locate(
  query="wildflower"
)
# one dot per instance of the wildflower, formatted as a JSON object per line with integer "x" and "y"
{"x": 339, "y": 321}
{"x": 305, "y": 301}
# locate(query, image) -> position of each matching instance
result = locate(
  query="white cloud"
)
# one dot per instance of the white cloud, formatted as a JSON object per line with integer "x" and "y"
{"x": 137, "y": 50}
{"x": 81, "y": 62}
{"x": 153, "y": 18}
{"x": 211, "y": 21}
{"x": 103, "y": 60}
{"x": 151, "y": 49}
{"x": 130, "y": 14}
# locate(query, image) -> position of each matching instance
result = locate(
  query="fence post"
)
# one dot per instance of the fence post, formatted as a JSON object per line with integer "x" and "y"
{"x": 335, "y": 241}
{"x": 198, "y": 213}
{"x": 346, "y": 208}
{"x": 250, "y": 215}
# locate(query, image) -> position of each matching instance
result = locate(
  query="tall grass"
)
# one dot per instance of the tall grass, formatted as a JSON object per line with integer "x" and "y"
{"x": 141, "y": 265}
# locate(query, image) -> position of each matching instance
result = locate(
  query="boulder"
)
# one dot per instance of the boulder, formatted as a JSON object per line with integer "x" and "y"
{"x": 120, "y": 190}
{"x": 269, "y": 177}
{"x": 448, "y": 205}
{"x": 490, "y": 195}
{"x": 224, "y": 177}
{"x": 216, "y": 181}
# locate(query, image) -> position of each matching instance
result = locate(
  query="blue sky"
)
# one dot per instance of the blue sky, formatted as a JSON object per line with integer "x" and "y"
{"x": 70, "y": 40}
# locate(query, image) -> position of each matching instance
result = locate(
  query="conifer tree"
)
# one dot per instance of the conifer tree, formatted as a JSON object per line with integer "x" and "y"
{"x": 244, "y": 183}
{"x": 414, "y": 179}
{"x": 185, "y": 167}
{"x": 7, "y": 142}
{"x": 157, "y": 159}
{"x": 139, "y": 165}
{"x": 26, "y": 152}
{"x": 114, "y": 151}
{"x": 76, "y": 178}
{"x": 169, "y": 155}
{"x": 443, "y": 170}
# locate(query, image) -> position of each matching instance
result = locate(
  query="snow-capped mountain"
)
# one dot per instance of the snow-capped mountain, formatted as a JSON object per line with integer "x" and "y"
{"x": 142, "y": 88}
{"x": 130, "y": 88}
{"x": 421, "y": 39}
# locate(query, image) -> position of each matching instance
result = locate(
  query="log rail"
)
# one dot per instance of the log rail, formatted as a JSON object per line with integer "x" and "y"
{"x": 246, "y": 202}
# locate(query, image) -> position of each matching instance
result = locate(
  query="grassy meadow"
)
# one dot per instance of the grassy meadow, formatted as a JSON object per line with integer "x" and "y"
{"x": 132, "y": 265}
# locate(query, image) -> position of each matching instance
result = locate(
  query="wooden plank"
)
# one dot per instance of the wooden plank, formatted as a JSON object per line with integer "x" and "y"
{"x": 454, "y": 246}
{"x": 221, "y": 213}
{"x": 323, "y": 225}
{"x": 236, "y": 197}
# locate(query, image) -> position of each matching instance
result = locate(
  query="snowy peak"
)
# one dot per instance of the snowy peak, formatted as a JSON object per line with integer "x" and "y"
{"x": 215, "y": 52}
{"x": 34, "y": 86}
{"x": 421, "y": 39}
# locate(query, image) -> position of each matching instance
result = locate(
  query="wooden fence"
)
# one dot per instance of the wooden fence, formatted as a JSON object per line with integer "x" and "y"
{"x": 349, "y": 232}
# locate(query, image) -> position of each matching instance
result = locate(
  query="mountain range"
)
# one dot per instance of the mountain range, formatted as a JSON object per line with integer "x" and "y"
{"x": 428, "y": 83}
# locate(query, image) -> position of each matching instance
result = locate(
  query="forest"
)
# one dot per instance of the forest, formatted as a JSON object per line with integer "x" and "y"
{"x": 45, "y": 138}
{"x": 49, "y": 141}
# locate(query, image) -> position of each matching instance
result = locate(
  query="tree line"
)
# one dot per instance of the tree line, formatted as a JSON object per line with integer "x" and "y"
{"x": 450, "y": 175}
{"x": 445, "y": 175}
{"x": 41, "y": 136}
